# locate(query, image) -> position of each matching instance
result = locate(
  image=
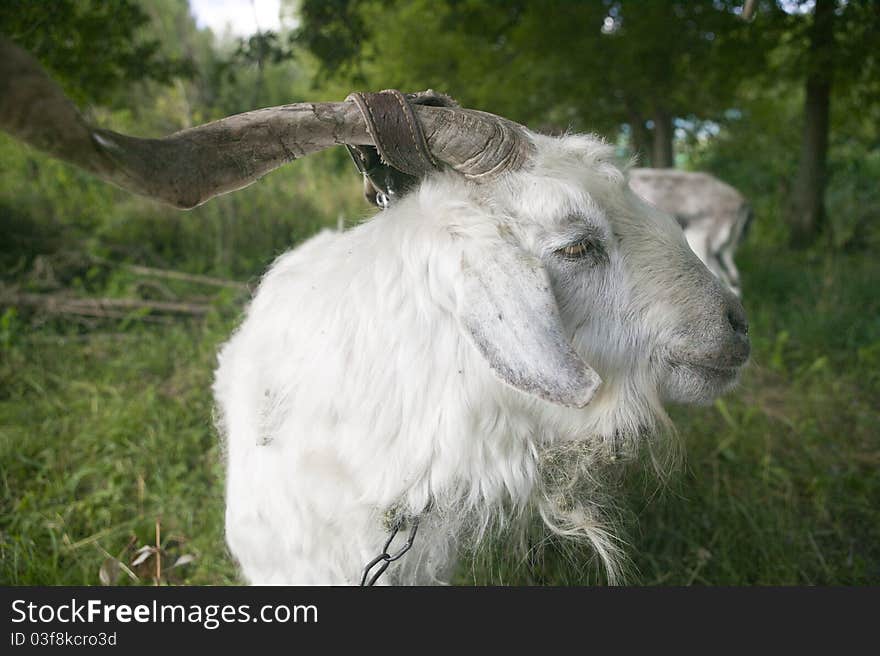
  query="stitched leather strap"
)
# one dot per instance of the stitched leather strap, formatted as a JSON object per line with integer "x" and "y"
{"x": 401, "y": 155}
{"x": 396, "y": 131}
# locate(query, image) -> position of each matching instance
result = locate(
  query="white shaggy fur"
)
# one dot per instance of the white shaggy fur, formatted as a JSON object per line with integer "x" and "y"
{"x": 383, "y": 369}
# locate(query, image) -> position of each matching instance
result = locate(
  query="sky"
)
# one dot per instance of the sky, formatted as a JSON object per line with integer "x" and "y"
{"x": 242, "y": 17}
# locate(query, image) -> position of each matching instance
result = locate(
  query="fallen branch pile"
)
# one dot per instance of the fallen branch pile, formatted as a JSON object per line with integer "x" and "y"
{"x": 59, "y": 301}
{"x": 185, "y": 277}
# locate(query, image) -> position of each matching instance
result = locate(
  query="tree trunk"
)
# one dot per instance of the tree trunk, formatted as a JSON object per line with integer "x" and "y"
{"x": 662, "y": 155}
{"x": 806, "y": 213}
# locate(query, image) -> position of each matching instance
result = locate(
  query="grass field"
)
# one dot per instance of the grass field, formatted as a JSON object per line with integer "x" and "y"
{"x": 104, "y": 432}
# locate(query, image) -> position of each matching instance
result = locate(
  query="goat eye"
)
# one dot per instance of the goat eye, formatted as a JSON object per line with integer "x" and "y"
{"x": 577, "y": 250}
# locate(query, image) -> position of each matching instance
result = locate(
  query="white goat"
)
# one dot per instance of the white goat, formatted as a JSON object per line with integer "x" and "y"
{"x": 423, "y": 361}
{"x": 498, "y": 339}
{"x": 714, "y": 216}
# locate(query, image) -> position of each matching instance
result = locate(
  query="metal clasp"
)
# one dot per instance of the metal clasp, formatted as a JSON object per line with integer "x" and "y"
{"x": 384, "y": 559}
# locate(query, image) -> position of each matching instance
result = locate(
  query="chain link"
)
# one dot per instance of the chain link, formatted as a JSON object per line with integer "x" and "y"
{"x": 384, "y": 559}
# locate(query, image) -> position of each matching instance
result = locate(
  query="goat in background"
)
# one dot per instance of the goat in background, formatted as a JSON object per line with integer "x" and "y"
{"x": 715, "y": 217}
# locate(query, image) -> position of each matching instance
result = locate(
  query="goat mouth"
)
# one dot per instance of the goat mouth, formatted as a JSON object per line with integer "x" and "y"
{"x": 712, "y": 368}
{"x": 690, "y": 382}
{"x": 711, "y": 372}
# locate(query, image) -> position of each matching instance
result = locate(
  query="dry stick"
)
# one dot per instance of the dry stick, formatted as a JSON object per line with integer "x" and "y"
{"x": 159, "y": 287}
{"x": 171, "y": 274}
{"x": 188, "y": 277}
{"x": 72, "y": 546}
{"x": 83, "y": 315}
{"x": 158, "y": 555}
{"x": 99, "y": 307}
{"x": 87, "y": 337}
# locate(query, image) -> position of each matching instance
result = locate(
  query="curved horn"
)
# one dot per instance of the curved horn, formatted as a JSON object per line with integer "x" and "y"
{"x": 189, "y": 167}
{"x": 477, "y": 144}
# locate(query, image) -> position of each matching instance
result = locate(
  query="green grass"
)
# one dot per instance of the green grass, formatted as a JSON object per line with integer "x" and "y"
{"x": 99, "y": 438}
{"x": 101, "y": 433}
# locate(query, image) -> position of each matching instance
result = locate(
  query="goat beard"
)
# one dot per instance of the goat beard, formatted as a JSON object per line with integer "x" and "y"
{"x": 577, "y": 497}
{"x": 574, "y": 499}
{"x": 578, "y": 492}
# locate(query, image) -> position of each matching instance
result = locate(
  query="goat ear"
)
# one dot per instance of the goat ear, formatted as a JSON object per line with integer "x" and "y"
{"x": 508, "y": 309}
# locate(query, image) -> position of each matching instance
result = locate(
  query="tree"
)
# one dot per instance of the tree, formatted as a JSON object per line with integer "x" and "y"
{"x": 94, "y": 48}
{"x": 553, "y": 64}
{"x": 675, "y": 60}
{"x": 807, "y": 209}
{"x": 837, "y": 61}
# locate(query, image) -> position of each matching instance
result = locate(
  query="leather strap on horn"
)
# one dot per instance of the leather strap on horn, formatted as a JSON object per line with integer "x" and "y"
{"x": 401, "y": 155}
{"x": 396, "y": 131}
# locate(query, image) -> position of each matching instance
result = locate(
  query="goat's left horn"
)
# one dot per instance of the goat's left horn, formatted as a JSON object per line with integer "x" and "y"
{"x": 189, "y": 167}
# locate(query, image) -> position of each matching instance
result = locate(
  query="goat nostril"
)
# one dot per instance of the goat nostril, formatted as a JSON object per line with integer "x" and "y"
{"x": 738, "y": 322}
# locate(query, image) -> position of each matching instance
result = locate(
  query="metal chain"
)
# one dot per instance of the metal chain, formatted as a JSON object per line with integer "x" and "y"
{"x": 384, "y": 559}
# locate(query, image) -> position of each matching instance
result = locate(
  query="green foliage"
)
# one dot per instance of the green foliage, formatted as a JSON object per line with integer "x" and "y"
{"x": 92, "y": 456}
{"x": 598, "y": 66}
{"x": 94, "y": 48}
{"x": 48, "y": 208}
{"x": 591, "y": 65}
{"x": 11, "y": 328}
{"x": 853, "y": 198}
{"x": 332, "y": 30}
